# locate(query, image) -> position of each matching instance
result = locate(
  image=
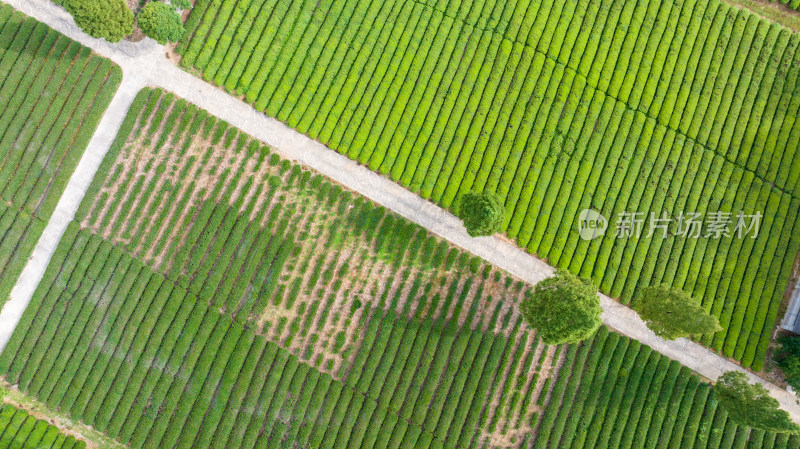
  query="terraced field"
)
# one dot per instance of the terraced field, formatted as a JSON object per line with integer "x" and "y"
{"x": 204, "y": 297}
{"x": 18, "y": 429}
{"x": 649, "y": 106}
{"x": 53, "y": 91}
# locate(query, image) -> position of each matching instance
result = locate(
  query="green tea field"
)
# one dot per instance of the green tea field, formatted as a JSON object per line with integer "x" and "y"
{"x": 18, "y": 429}
{"x": 204, "y": 297}
{"x": 641, "y": 106}
{"x": 210, "y": 290}
{"x": 53, "y": 92}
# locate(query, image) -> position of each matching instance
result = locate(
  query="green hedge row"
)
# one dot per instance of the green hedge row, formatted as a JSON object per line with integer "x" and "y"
{"x": 19, "y": 429}
{"x": 437, "y": 375}
{"x": 794, "y": 4}
{"x": 19, "y": 233}
{"x": 50, "y": 113}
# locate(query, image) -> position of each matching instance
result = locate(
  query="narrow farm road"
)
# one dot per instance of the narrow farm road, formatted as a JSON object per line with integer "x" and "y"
{"x": 145, "y": 63}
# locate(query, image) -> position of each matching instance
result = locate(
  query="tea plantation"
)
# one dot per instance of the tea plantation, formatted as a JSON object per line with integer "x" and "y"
{"x": 210, "y": 293}
{"x": 53, "y": 92}
{"x": 18, "y": 429}
{"x": 204, "y": 297}
{"x": 557, "y": 106}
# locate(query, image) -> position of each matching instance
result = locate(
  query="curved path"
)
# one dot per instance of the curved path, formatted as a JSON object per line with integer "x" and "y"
{"x": 145, "y": 63}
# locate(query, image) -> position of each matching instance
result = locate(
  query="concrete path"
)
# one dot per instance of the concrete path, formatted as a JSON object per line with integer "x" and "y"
{"x": 145, "y": 63}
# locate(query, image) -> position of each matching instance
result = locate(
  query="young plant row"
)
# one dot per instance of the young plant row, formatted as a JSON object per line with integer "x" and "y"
{"x": 18, "y": 429}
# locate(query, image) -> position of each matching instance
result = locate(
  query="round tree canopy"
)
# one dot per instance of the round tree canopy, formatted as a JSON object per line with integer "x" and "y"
{"x": 482, "y": 213}
{"x": 106, "y": 19}
{"x": 751, "y": 404}
{"x": 160, "y": 22}
{"x": 563, "y": 309}
{"x": 672, "y": 313}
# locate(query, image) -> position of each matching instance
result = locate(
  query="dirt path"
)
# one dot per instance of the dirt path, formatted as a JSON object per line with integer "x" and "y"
{"x": 92, "y": 438}
{"x": 145, "y": 63}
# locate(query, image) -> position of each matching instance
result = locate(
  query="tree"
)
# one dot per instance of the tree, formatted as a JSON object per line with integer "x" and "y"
{"x": 788, "y": 358}
{"x": 563, "y": 309}
{"x": 106, "y": 19}
{"x": 671, "y": 313}
{"x": 159, "y": 21}
{"x": 482, "y": 213}
{"x": 751, "y": 405}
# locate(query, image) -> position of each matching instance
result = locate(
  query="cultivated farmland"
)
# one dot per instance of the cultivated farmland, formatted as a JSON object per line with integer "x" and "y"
{"x": 316, "y": 269}
{"x": 146, "y": 362}
{"x": 143, "y": 360}
{"x": 18, "y": 429}
{"x": 204, "y": 298}
{"x": 648, "y": 106}
{"x": 53, "y": 92}
{"x": 275, "y": 246}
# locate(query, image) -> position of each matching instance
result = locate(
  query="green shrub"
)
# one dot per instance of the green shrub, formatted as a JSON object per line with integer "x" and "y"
{"x": 751, "y": 404}
{"x": 160, "y": 22}
{"x": 181, "y": 4}
{"x": 671, "y": 313}
{"x": 106, "y": 19}
{"x": 483, "y": 213}
{"x": 563, "y": 309}
{"x": 788, "y": 358}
